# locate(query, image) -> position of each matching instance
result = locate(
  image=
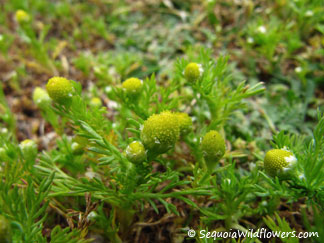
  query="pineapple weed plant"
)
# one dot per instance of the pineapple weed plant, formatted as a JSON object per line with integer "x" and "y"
{"x": 165, "y": 145}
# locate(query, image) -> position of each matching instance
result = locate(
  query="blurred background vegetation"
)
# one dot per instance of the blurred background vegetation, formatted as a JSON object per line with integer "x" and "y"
{"x": 103, "y": 42}
{"x": 100, "y": 43}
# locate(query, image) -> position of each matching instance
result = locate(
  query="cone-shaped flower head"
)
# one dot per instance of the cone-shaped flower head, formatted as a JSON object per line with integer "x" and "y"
{"x": 5, "y": 230}
{"x": 193, "y": 71}
{"x": 77, "y": 149}
{"x": 279, "y": 162}
{"x": 4, "y": 131}
{"x": 60, "y": 90}
{"x": 213, "y": 148}
{"x": 29, "y": 149}
{"x": 135, "y": 152}
{"x": 133, "y": 86}
{"x": 160, "y": 132}
{"x": 95, "y": 102}
{"x": 22, "y": 16}
{"x": 41, "y": 97}
{"x": 185, "y": 122}
{"x": 78, "y": 145}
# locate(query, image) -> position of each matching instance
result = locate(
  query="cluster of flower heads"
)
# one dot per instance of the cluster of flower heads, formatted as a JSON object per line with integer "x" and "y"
{"x": 160, "y": 132}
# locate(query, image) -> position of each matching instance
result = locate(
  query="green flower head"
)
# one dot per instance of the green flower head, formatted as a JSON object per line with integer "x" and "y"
{"x": 279, "y": 162}
{"x": 185, "y": 122}
{"x": 133, "y": 86}
{"x": 213, "y": 148}
{"x": 4, "y": 131}
{"x": 79, "y": 145}
{"x": 95, "y": 102}
{"x": 60, "y": 90}
{"x": 41, "y": 97}
{"x": 193, "y": 72}
{"x": 160, "y": 132}
{"x": 77, "y": 149}
{"x": 29, "y": 149}
{"x": 135, "y": 152}
{"x": 22, "y": 16}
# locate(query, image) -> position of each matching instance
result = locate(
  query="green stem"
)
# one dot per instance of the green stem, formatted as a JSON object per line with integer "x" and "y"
{"x": 205, "y": 177}
{"x": 212, "y": 107}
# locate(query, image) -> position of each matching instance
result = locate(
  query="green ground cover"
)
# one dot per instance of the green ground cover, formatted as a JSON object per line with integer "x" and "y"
{"x": 136, "y": 121}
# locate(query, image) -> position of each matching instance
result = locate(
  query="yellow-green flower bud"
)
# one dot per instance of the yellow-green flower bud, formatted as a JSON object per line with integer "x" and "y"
{"x": 22, "y": 16}
{"x": 77, "y": 149}
{"x": 41, "y": 97}
{"x": 193, "y": 72}
{"x": 185, "y": 122}
{"x": 133, "y": 86}
{"x": 279, "y": 162}
{"x": 29, "y": 149}
{"x": 95, "y": 102}
{"x": 213, "y": 148}
{"x": 135, "y": 152}
{"x": 4, "y": 132}
{"x": 160, "y": 132}
{"x": 5, "y": 230}
{"x": 60, "y": 90}
{"x": 92, "y": 216}
{"x": 79, "y": 145}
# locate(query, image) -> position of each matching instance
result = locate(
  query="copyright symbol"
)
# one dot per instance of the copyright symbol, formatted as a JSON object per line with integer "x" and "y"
{"x": 191, "y": 233}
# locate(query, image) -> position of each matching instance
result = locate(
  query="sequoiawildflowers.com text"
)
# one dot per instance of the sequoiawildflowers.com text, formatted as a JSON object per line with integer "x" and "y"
{"x": 260, "y": 233}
